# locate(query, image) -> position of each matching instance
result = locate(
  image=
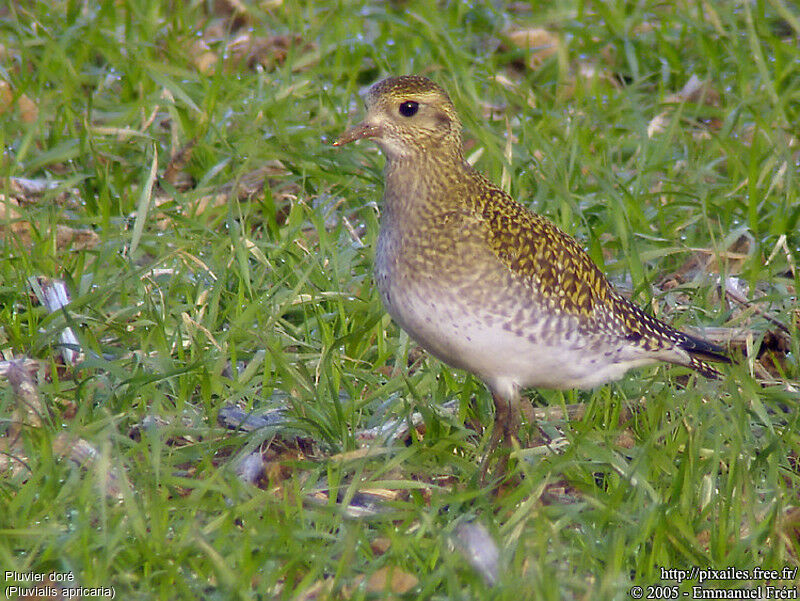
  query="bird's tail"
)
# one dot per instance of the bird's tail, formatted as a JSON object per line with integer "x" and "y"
{"x": 701, "y": 352}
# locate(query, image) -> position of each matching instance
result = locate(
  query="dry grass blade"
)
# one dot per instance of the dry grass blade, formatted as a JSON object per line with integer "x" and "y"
{"x": 734, "y": 295}
{"x": 25, "y": 193}
{"x": 31, "y": 412}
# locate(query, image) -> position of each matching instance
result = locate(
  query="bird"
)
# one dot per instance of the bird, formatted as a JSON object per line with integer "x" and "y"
{"x": 486, "y": 285}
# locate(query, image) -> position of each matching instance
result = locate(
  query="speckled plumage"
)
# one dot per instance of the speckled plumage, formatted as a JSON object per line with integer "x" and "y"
{"x": 483, "y": 283}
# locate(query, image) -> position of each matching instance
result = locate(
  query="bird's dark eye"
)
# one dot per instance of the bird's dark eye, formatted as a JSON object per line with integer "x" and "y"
{"x": 409, "y": 108}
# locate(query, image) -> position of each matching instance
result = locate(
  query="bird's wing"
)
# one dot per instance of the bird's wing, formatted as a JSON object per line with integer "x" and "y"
{"x": 559, "y": 271}
{"x": 565, "y": 278}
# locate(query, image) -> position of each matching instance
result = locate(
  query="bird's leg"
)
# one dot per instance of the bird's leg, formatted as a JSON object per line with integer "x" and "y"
{"x": 506, "y": 425}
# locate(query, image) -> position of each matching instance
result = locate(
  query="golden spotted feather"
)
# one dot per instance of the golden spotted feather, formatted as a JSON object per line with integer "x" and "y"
{"x": 565, "y": 319}
{"x": 536, "y": 249}
{"x": 566, "y": 278}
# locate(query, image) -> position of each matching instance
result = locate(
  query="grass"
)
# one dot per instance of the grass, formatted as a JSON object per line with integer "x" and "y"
{"x": 266, "y": 299}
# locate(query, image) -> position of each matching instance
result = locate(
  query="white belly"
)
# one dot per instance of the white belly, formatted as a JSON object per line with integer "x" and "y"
{"x": 506, "y": 357}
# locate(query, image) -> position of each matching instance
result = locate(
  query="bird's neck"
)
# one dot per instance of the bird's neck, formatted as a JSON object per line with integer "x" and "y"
{"x": 420, "y": 184}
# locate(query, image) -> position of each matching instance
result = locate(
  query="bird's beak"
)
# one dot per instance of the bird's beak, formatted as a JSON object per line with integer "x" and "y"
{"x": 358, "y": 132}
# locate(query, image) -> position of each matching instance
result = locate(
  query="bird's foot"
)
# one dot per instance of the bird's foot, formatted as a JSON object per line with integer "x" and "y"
{"x": 504, "y": 433}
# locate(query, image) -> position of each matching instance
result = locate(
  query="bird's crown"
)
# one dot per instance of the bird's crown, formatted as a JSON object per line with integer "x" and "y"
{"x": 395, "y": 88}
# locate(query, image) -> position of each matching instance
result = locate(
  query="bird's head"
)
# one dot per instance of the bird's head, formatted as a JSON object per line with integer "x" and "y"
{"x": 407, "y": 116}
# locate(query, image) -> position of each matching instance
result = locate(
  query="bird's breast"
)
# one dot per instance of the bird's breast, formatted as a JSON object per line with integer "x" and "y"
{"x": 470, "y": 312}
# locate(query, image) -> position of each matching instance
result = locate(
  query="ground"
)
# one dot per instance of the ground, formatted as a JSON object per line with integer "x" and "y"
{"x": 168, "y": 166}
